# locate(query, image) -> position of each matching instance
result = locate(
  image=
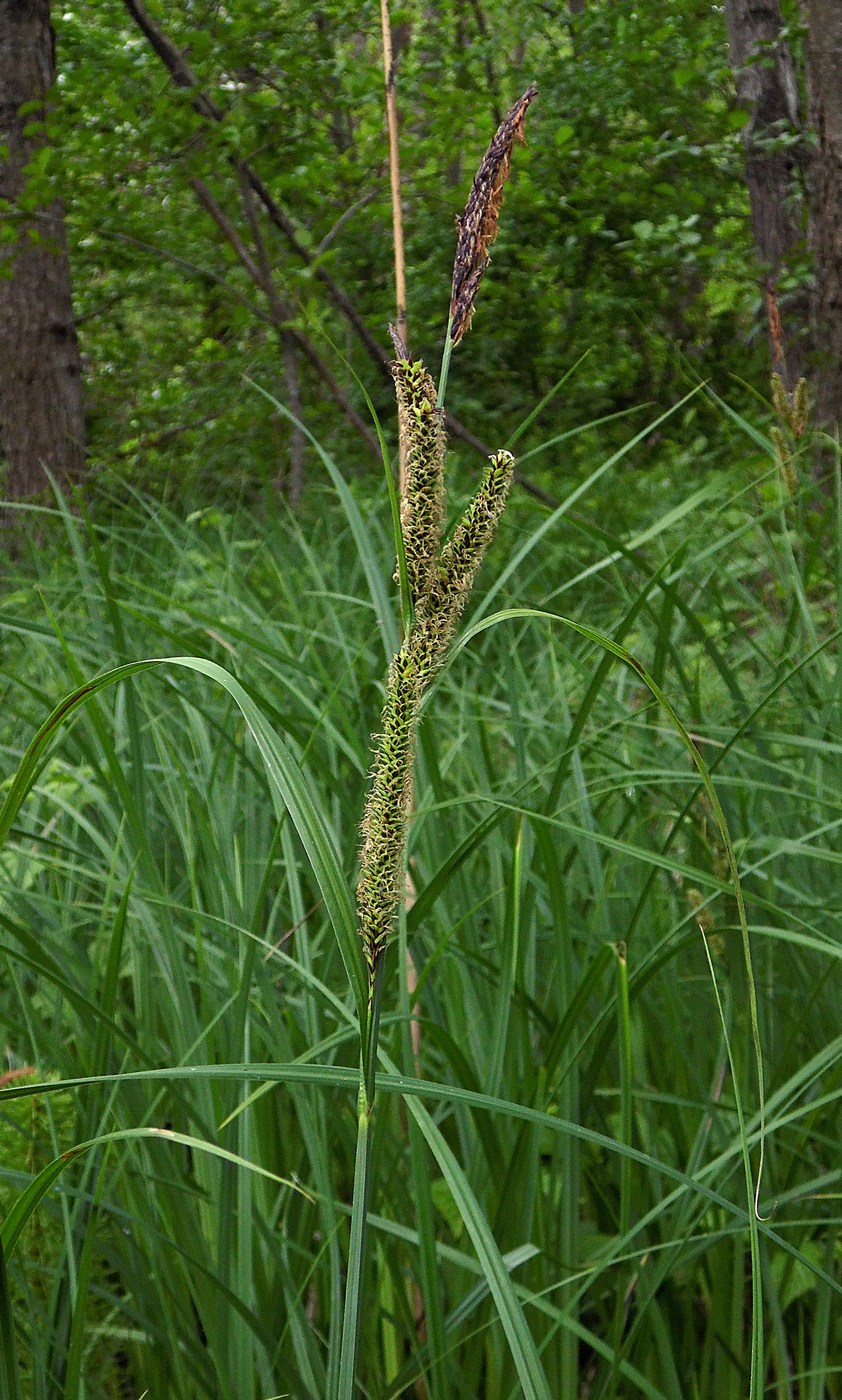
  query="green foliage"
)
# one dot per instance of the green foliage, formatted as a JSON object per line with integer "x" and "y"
{"x": 566, "y": 1193}
{"x": 626, "y": 238}
{"x": 567, "y": 1113}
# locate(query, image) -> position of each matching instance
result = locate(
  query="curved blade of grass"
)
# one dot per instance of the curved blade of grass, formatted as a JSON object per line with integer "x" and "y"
{"x": 577, "y": 431}
{"x": 543, "y": 403}
{"x": 347, "y": 1078}
{"x": 752, "y": 1185}
{"x": 285, "y": 775}
{"x": 37, "y": 1189}
{"x": 567, "y": 504}
{"x": 9, "y": 1375}
{"x": 521, "y": 1342}
{"x": 362, "y": 536}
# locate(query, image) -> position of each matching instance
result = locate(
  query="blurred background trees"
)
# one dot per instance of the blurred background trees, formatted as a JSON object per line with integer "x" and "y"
{"x": 224, "y": 175}
{"x": 41, "y": 396}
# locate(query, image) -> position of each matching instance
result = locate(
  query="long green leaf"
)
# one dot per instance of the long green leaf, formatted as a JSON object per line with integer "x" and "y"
{"x": 9, "y": 1379}
{"x": 521, "y": 1343}
{"x": 37, "y": 1189}
{"x": 287, "y": 781}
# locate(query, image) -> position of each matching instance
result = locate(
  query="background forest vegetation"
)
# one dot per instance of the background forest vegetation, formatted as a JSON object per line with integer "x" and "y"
{"x": 578, "y": 1064}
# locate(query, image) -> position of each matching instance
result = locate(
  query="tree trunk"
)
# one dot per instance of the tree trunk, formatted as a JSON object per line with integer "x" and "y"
{"x": 824, "y": 81}
{"x": 41, "y": 397}
{"x": 764, "y": 72}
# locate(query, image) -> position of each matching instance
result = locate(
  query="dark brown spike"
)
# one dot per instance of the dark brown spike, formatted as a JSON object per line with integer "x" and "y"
{"x": 478, "y": 224}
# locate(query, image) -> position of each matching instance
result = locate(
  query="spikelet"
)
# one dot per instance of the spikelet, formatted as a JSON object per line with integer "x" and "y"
{"x": 440, "y": 611}
{"x": 478, "y": 224}
{"x": 386, "y": 818}
{"x": 785, "y": 461}
{"x": 423, "y": 440}
{"x": 450, "y": 573}
{"x": 440, "y": 580}
{"x": 792, "y": 411}
{"x": 800, "y": 406}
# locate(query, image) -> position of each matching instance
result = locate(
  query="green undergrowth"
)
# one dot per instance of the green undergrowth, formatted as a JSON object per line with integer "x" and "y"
{"x": 566, "y": 1036}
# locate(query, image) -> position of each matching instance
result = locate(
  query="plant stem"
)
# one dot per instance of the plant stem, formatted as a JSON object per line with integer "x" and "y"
{"x": 346, "y": 1384}
{"x": 445, "y": 367}
{"x": 395, "y": 183}
{"x": 394, "y": 168}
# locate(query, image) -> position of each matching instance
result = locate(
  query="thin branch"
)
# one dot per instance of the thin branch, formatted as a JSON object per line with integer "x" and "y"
{"x": 281, "y": 315}
{"x": 297, "y": 447}
{"x": 343, "y": 219}
{"x": 182, "y": 76}
{"x": 232, "y": 237}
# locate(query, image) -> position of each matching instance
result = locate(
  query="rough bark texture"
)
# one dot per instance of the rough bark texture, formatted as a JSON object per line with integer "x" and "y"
{"x": 764, "y": 72}
{"x": 41, "y": 397}
{"x": 824, "y": 71}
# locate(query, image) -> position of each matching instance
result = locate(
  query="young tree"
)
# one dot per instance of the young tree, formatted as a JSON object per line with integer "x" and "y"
{"x": 41, "y": 396}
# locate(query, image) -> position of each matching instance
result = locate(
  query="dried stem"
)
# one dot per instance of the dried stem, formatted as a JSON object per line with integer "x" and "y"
{"x": 389, "y": 71}
{"x": 394, "y": 168}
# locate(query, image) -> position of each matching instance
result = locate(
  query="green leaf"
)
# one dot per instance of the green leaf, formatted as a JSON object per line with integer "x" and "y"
{"x": 286, "y": 777}
{"x": 31, "y": 1198}
{"x": 9, "y": 1380}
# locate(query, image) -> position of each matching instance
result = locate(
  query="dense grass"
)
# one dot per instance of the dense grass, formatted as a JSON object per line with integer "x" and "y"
{"x": 566, "y": 1094}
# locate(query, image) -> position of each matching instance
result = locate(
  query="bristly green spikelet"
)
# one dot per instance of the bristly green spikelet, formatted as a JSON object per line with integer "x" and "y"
{"x": 440, "y": 581}
{"x": 386, "y": 818}
{"x": 440, "y": 610}
{"x": 792, "y": 411}
{"x": 422, "y": 435}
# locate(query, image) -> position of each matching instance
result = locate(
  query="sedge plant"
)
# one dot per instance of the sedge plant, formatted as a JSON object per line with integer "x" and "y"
{"x": 435, "y": 578}
{"x": 435, "y": 575}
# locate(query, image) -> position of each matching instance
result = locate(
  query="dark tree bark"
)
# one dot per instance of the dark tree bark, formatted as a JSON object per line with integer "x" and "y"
{"x": 764, "y": 71}
{"x": 41, "y": 396}
{"x": 824, "y": 81}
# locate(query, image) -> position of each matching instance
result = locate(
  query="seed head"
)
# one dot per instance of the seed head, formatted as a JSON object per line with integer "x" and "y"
{"x": 478, "y": 224}
{"x": 423, "y": 441}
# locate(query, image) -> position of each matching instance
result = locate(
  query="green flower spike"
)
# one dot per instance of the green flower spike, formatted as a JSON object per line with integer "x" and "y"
{"x": 386, "y": 819}
{"x": 440, "y": 580}
{"x": 423, "y": 437}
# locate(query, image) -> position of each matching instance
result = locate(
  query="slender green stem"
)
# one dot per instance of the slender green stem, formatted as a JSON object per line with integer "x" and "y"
{"x": 346, "y": 1382}
{"x": 373, "y": 1029}
{"x": 445, "y": 368}
{"x": 9, "y": 1376}
{"x": 626, "y": 1120}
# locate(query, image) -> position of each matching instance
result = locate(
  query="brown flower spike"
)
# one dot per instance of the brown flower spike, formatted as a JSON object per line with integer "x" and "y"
{"x": 478, "y": 224}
